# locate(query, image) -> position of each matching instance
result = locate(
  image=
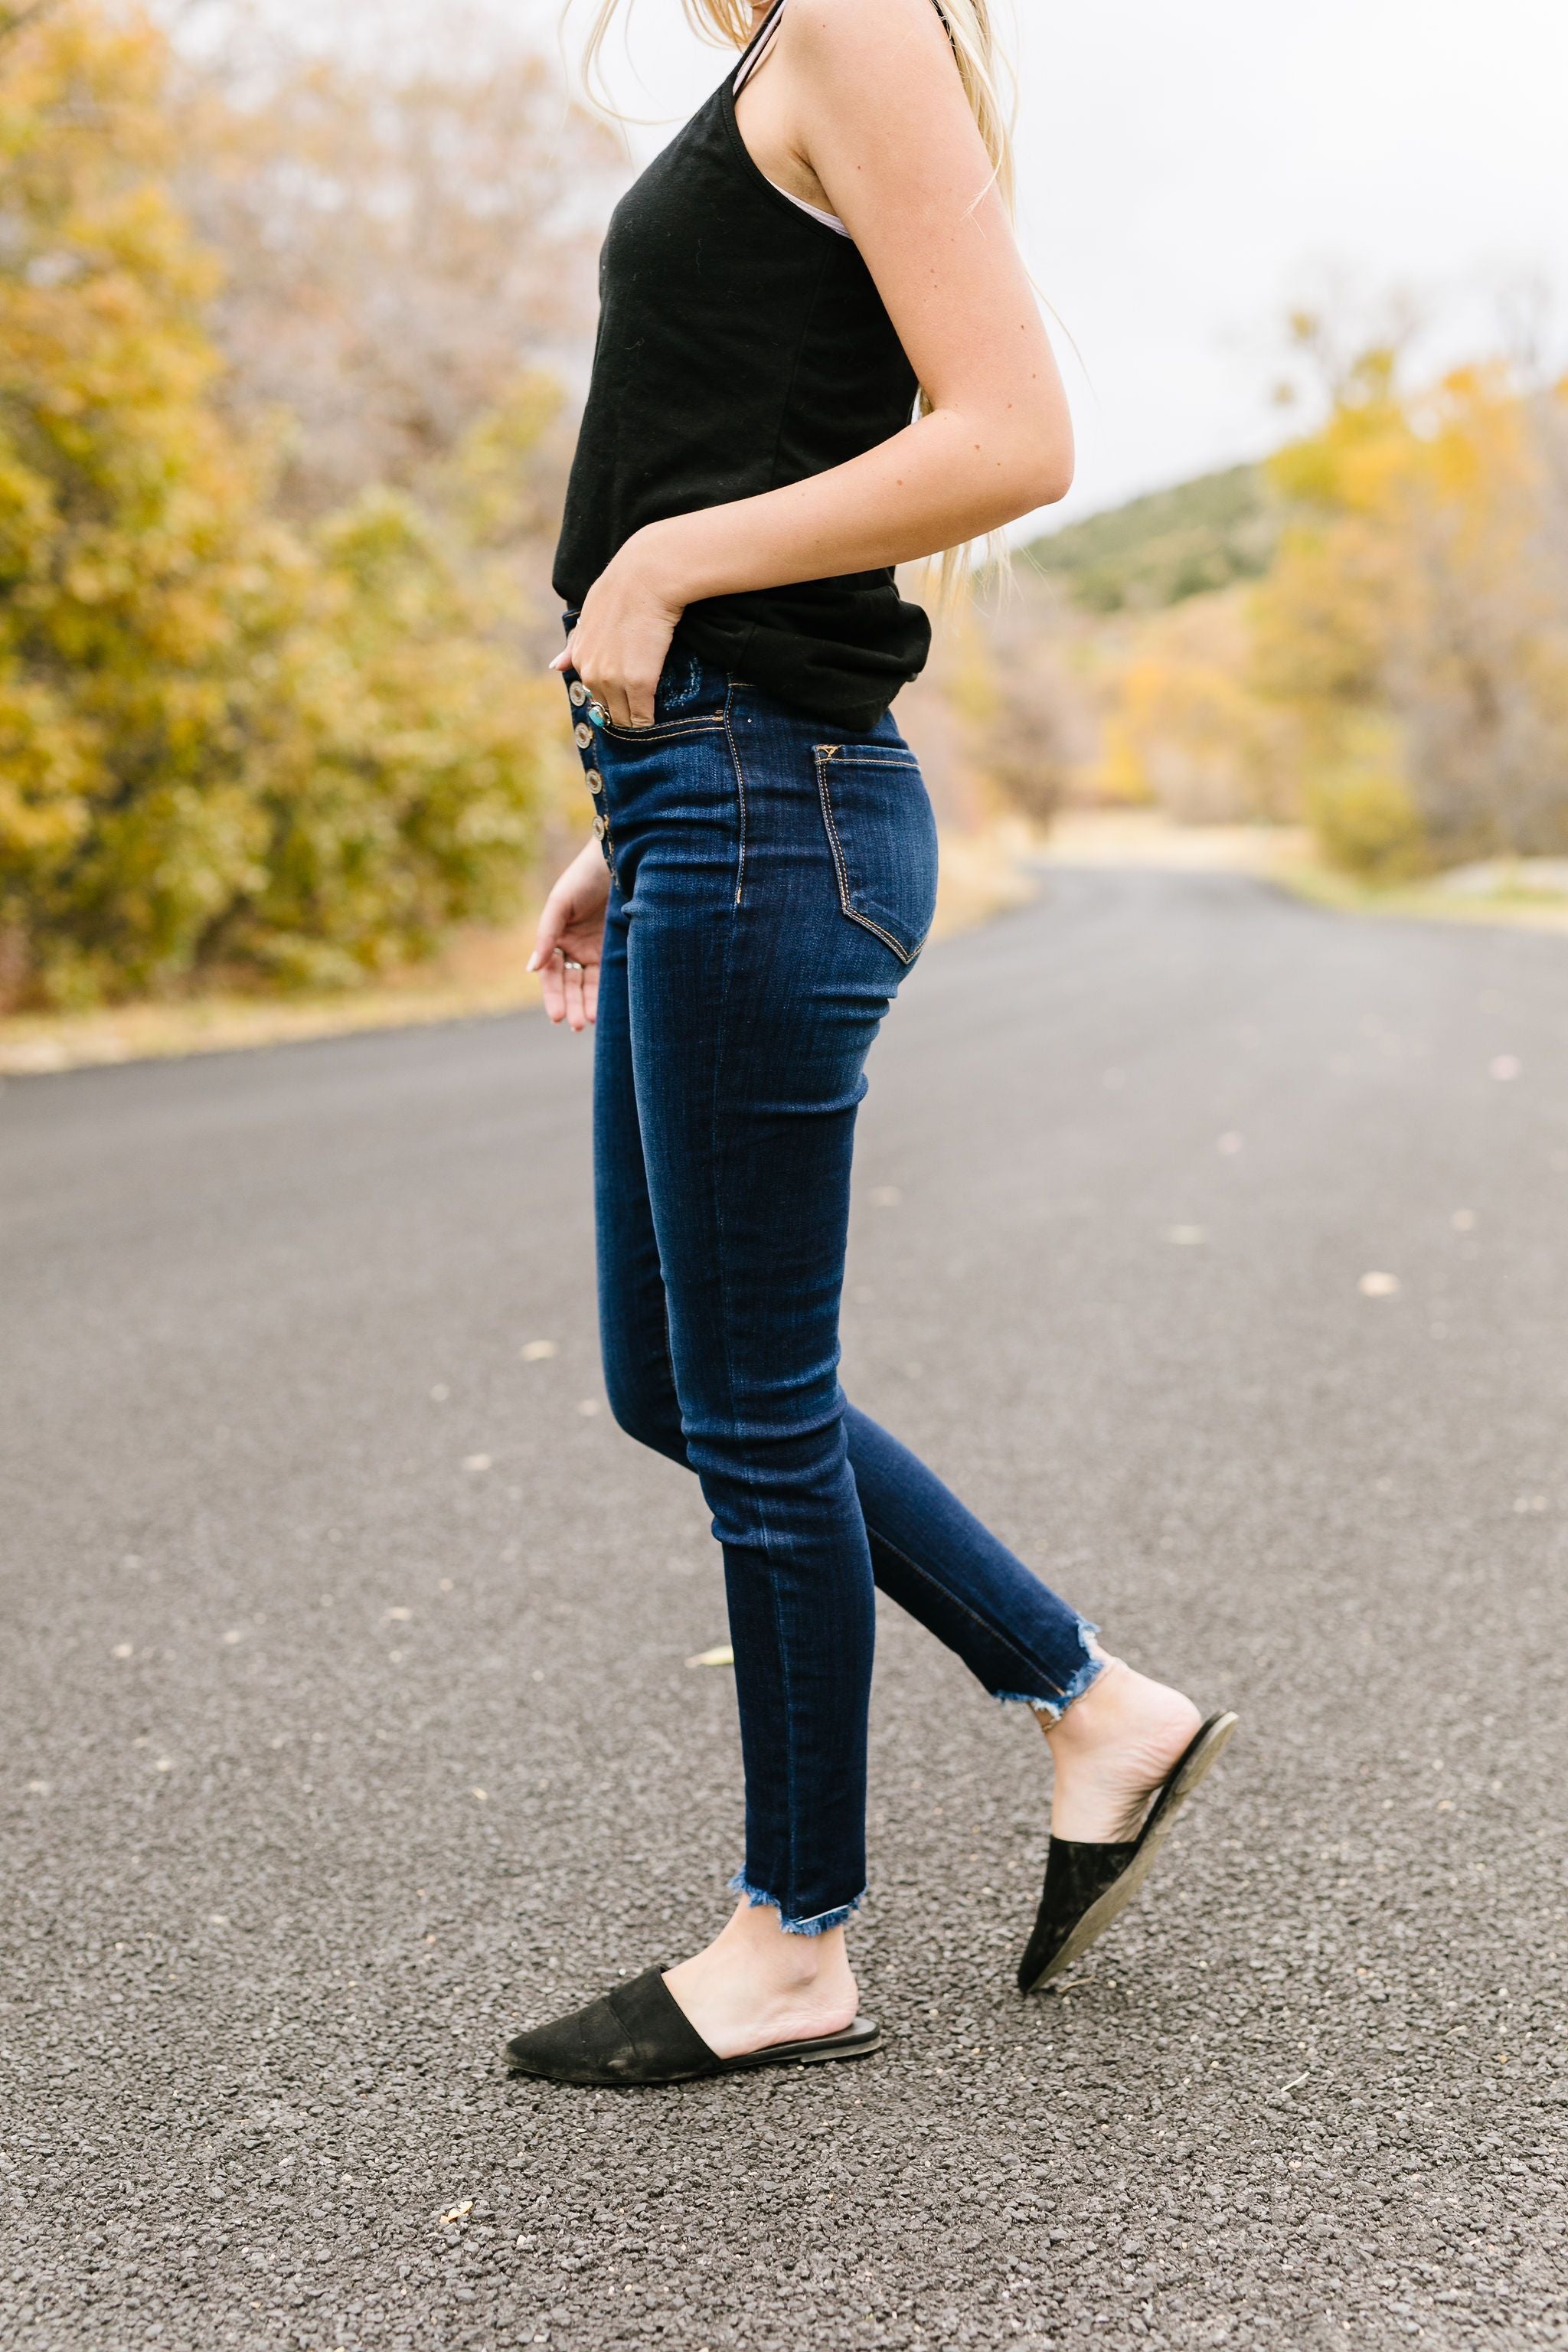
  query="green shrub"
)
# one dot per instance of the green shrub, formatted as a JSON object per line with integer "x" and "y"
{"x": 1361, "y": 810}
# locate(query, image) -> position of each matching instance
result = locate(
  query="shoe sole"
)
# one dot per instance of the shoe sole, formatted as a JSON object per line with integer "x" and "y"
{"x": 852, "y": 2045}
{"x": 1199, "y": 1760}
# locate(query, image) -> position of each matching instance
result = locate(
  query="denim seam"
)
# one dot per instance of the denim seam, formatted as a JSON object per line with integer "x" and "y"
{"x": 1002, "y": 1640}
{"x": 822, "y": 753}
{"x": 740, "y": 793}
{"x": 664, "y": 1368}
{"x": 720, "y": 1238}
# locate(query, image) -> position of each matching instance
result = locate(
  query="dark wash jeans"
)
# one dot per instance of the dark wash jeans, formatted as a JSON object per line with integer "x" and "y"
{"x": 770, "y": 889}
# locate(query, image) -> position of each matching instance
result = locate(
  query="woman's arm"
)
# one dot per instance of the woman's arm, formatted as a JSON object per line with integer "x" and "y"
{"x": 871, "y": 90}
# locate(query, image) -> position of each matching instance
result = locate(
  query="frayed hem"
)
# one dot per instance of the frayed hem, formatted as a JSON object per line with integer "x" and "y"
{"x": 821, "y": 1925}
{"x": 1054, "y": 1707}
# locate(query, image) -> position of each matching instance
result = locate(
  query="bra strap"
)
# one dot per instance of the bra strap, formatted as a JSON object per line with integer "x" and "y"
{"x": 756, "y": 47}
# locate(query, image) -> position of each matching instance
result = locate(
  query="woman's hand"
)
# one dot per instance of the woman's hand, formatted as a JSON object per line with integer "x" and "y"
{"x": 571, "y": 943}
{"x": 623, "y": 630}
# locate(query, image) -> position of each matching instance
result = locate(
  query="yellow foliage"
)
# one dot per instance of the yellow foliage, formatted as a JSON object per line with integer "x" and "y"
{"x": 1122, "y": 776}
{"x": 223, "y": 741}
{"x": 1183, "y": 725}
{"x": 1419, "y": 603}
{"x": 1399, "y": 676}
{"x": 1360, "y": 807}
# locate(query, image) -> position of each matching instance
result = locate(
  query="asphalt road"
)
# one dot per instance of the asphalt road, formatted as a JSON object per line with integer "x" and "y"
{"x": 348, "y": 1717}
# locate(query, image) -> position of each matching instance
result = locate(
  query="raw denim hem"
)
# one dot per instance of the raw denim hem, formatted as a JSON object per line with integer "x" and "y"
{"x": 1054, "y": 1706}
{"x": 820, "y": 1925}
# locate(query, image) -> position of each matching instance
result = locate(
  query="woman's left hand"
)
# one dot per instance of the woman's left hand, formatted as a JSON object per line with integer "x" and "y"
{"x": 623, "y": 632}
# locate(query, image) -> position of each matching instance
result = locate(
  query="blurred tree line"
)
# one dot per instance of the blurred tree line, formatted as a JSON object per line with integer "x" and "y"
{"x": 1398, "y": 674}
{"x": 285, "y": 346}
{"x": 281, "y": 353}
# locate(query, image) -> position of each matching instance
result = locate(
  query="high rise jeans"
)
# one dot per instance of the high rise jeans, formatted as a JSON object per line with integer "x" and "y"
{"x": 773, "y": 884}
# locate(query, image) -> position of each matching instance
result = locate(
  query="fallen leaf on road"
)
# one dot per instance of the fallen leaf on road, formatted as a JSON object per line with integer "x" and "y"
{"x": 482, "y": 1794}
{"x": 458, "y": 2212}
{"x": 534, "y": 1351}
{"x": 722, "y": 1656}
{"x": 1378, "y": 1286}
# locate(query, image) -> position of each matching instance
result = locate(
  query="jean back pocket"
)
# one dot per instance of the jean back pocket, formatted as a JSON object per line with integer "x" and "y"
{"x": 882, "y": 836}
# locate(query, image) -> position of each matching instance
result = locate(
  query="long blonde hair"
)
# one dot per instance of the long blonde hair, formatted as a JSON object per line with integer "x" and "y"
{"x": 987, "y": 85}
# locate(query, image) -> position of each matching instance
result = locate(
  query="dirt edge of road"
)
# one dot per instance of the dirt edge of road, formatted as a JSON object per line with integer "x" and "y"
{"x": 985, "y": 874}
{"x": 1285, "y": 854}
{"x": 482, "y": 975}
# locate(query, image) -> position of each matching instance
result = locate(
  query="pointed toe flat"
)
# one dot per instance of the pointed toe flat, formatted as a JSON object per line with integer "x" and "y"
{"x": 638, "y": 2033}
{"x": 1089, "y": 1885}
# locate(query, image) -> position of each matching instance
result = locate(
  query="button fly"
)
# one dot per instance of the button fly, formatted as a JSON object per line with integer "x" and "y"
{"x": 578, "y": 691}
{"x": 583, "y": 734}
{"x": 595, "y": 782}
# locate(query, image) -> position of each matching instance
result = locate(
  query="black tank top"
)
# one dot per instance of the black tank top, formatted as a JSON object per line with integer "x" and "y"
{"x": 742, "y": 345}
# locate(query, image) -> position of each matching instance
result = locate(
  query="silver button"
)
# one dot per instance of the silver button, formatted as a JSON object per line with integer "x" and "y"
{"x": 583, "y": 733}
{"x": 578, "y": 691}
{"x": 600, "y": 827}
{"x": 595, "y": 781}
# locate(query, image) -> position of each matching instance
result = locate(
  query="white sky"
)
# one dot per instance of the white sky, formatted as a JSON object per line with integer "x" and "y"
{"x": 1188, "y": 172}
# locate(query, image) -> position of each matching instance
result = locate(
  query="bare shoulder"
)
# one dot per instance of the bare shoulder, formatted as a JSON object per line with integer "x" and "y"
{"x": 842, "y": 37}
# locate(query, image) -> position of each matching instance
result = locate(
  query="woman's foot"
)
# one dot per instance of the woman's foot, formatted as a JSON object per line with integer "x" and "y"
{"x": 1112, "y": 1749}
{"x": 754, "y": 1985}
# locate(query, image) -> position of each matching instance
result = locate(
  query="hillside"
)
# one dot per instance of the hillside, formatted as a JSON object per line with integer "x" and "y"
{"x": 1168, "y": 545}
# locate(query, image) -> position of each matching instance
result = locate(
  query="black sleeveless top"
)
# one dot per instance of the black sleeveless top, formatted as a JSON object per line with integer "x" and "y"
{"x": 743, "y": 345}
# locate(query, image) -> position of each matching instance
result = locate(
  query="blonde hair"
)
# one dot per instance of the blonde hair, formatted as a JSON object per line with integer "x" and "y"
{"x": 987, "y": 85}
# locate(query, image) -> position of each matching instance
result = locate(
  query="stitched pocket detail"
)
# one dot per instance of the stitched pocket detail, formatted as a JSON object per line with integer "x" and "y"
{"x": 882, "y": 837}
{"x": 697, "y": 723}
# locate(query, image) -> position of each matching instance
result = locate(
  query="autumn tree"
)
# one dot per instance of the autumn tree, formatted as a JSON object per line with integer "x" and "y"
{"x": 1414, "y": 626}
{"x": 225, "y": 743}
{"x": 408, "y": 227}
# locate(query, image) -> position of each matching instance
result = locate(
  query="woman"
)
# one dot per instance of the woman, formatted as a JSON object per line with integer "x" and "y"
{"x": 827, "y": 234}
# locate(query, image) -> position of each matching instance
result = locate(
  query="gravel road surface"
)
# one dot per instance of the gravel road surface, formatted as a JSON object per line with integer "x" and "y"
{"x": 1214, "y": 1246}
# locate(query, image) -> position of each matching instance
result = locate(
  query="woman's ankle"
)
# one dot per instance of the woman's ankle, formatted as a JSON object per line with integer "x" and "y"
{"x": 1095, "y": 1709}
{"x": 753, "y": 1984}
{"x": 1119, "y": 1702}
{"x": 1110, "y": 1750}
{"x": 787, "y": 1961}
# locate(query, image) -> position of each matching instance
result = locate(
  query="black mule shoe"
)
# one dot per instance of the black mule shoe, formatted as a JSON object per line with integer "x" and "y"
{"x": 640, "y": 2033}
{"x": 1088, "y": 1886}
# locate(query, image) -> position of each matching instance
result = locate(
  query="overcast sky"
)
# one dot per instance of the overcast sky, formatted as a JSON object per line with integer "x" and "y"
{"x": 1188, "y": 172}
